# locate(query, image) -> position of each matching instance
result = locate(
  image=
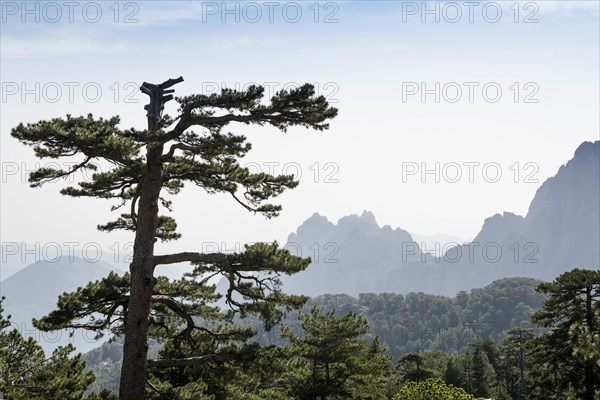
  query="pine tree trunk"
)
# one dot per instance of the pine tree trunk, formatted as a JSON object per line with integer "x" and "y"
{"x": 135, "y": 349}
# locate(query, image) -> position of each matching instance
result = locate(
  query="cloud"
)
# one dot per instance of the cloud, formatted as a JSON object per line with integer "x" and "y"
{"x": 162, "y": 13}
{"x": 58, "y": 44}
{"x": 567, "y": 8}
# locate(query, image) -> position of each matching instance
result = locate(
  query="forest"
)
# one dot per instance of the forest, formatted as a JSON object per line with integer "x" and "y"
{"x": 515, "y": 339}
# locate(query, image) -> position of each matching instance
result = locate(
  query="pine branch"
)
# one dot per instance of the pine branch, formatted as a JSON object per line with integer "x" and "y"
{"x": 200, "y": 258}
{"x": 181, "y": 146}
{"x": 288, "y": 108}
{"x": 189, "y": 361}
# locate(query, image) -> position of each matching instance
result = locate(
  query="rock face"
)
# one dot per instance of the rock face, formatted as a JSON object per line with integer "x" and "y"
{"x": 348, "y": 257}
{"x": 561, "y": 231}
{"x": 499, "y": 227}
{"x": 564, "y": 216}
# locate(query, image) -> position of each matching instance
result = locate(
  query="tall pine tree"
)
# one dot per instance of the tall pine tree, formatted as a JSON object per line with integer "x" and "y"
{"x": 146, "y": 165}
{"x": 567, "y": 362}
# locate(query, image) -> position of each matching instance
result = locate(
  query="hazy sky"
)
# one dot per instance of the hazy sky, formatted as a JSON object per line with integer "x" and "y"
{"x": 372, "y": 59}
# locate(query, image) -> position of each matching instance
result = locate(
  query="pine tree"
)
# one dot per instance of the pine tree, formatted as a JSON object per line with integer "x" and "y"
{"x": 567, "y": 362}
{"x": 516, "y": 362}
{"x": 454, "y": 374}
{"x": 376, "y": 379}
{"x": 411, "y": 368}
{"x": 483, "y": 374}
{"x": 334, "y": 363}
{"x": 26, "y": 373}
{"x": 145, "y": 167}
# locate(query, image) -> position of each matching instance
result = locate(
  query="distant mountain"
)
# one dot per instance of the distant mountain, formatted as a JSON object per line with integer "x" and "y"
{"x": 33, "y": 292}
{"x": 560, "y": 232}
{"x": 436, "y": 244}
{"x": 564, "y": 216}
{"x": 348, "y": 257}
{"x": 17, "y": 255}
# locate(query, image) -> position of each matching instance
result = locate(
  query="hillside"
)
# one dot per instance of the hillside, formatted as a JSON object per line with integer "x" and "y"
{"x": 33, "y": 292}
{"x": 415, "y": 322}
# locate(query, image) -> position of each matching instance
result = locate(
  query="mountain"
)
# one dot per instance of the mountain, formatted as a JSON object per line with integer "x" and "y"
{"x": 435, "y": 244}
{"x": 33, "y": 292}
{"x": 561, "y": 231}
{"x": 348, "y": 257}
{"x": 19, "y": 254}
{"x": 16, "y": 256}
{"x": 564, "y": 216}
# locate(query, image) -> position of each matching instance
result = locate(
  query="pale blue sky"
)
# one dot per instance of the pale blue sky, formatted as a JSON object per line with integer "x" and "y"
{"x": 362, "y": 62}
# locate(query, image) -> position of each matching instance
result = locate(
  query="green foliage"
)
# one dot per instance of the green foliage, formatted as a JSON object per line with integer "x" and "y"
{"x": 516, "y": 362}
{"x": 104, "y": 394}
{"x": 105, "y": 363}
{"x": 209, "y": 161}
{"x": 25, "y": 372}
{"x": 142, "y": 164}
{"x": 99, "y": 307}
{"x": 334, "y": 362}
{"x": 484, "y": 379}
{"x": 454, "y": 374}
{"x": 177, "y": 305}
{"x": 274, "y": 372}
{"x": 418, "y": 322}
{"x": 187, "y": 321}
{"x": 412, "y": 369}
{"x": 431, "y": 389}
{"x": 567, "y": 362}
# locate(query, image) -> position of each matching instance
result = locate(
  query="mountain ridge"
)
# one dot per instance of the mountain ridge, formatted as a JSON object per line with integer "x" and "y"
{"x": 561, "y": 231}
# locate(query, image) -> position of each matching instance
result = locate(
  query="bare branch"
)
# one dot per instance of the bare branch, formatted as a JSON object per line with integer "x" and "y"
{"x": 170, "y": 82}
{"x": 246, "y": 206}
